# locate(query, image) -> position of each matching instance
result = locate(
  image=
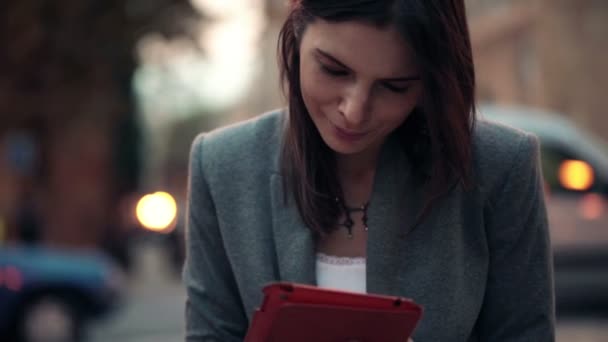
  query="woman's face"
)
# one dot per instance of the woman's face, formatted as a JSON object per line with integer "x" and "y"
{"x": 358, "y": 82}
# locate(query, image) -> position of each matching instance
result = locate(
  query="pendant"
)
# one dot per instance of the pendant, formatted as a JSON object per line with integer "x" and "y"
{"x": 348, "y": 222}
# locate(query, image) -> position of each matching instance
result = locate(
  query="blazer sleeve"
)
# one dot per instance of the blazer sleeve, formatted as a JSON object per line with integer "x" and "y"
{"x": 214, "y": 310}
{"x": 519, "y": 299}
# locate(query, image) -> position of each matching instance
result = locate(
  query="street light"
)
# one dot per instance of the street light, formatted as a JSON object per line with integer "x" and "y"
{"x": 157, "y": 212}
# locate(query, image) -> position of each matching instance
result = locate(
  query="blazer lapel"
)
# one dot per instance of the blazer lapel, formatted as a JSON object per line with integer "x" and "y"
{"x": 294, "y": 243}
{"x": 394, "y": 204}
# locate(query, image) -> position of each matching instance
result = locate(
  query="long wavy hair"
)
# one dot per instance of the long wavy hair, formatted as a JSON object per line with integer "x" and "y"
{"x": 437, "y": 136}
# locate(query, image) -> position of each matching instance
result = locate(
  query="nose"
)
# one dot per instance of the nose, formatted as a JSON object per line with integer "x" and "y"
{"x": 354, "y": 105}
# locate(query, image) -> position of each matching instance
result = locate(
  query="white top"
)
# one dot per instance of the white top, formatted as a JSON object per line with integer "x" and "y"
{"x": 341, "y": 273}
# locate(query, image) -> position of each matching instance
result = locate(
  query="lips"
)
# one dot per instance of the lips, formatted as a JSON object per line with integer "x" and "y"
{"x": 346, "y": 134}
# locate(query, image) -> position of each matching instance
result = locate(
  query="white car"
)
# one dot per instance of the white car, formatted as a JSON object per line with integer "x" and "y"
{"x": 575, "y": 170}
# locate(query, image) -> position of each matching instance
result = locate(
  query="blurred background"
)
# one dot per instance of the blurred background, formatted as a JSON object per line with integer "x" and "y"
{"x": 100, "y": 100}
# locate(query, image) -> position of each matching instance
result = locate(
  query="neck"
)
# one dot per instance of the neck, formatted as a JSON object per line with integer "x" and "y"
{"x": 356, "y": 175}
{"x": 352, "y": 168}
{"x": 359, "y": 165}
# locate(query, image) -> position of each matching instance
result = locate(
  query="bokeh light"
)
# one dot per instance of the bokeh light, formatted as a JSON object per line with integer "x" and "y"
{"x": 592, "y": 207}
{"x": 576, "y": 175}
{"x": 157, "y": 211}
{"x": 13, "y": 278}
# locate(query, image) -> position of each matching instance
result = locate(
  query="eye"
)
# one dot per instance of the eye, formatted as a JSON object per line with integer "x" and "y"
{"x": 395, "y": 88}
{"x": 333, "y": 71}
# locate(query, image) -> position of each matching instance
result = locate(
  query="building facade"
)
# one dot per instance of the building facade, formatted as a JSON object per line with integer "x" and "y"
{"x": 544, "y": 53}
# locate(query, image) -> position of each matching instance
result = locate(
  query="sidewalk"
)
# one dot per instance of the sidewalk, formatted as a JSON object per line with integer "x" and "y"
{"x": 154, "y": 307}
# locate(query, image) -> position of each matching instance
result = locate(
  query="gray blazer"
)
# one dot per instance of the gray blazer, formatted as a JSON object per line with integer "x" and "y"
{"x": 480, "y": 264}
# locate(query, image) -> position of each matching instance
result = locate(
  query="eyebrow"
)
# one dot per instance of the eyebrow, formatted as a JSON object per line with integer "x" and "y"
{"x": 335, "y": 60}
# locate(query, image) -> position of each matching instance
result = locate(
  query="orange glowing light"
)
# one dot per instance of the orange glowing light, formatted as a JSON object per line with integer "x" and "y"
{"x": 157, "y": 211}
{"x": 592, "y": 207}
{"x": 576, "y": 175}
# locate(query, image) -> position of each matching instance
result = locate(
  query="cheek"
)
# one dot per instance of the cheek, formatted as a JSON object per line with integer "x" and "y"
{"x": 316, "y": 89}
{"x": 393, "y": 112}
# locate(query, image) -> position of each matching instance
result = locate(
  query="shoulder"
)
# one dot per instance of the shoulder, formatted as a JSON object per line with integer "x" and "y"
{"x": 499, "y": 151}
{"x": 253, "y": 143}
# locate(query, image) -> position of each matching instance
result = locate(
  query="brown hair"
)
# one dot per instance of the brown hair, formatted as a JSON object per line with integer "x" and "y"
{"x": 436, "y": 136}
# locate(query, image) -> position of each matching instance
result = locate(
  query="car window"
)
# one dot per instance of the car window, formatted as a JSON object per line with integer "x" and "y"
{"x": 551, "y": 159}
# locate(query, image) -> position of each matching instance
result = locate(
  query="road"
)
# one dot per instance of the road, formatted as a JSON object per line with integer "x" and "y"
{"x": 155, "y": 306}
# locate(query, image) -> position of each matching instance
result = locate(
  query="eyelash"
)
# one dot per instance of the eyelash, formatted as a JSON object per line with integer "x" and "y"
{"x": 341, "y": 73}
{"x": 333, "y": 72}
{"x": 399, "y": 90}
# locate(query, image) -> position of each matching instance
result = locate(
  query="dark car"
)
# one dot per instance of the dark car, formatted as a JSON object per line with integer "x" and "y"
{"x": 575, "y": 170}
{"x": 49, "y": 295}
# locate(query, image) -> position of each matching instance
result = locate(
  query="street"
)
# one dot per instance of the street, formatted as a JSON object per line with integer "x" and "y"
{"x": 155, "y": 306}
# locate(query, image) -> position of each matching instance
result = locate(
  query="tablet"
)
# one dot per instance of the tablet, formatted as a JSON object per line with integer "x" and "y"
{"x": 298, "y": 313}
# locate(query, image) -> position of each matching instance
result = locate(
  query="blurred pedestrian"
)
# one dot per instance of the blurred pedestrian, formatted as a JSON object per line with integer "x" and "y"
{"x": 376, "y": 178}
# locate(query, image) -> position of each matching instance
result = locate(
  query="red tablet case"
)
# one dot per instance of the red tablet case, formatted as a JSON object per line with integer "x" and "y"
{"x": 294, "y": 312}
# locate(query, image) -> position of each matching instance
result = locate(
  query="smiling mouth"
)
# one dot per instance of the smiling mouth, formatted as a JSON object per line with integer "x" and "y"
{"x": 347, "y": 134}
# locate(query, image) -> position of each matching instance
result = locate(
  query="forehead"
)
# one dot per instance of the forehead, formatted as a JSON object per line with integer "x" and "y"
{"x": 363, "y": 47}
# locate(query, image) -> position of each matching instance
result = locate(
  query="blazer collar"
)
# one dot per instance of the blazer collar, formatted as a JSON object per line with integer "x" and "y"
{"x": 394, "y": 191}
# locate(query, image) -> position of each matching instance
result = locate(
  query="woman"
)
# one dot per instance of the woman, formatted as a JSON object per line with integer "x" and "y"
{"x": 377, "y": 178}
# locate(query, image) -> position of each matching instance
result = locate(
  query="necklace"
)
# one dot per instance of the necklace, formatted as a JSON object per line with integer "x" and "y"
{"x": 348, "y": 221}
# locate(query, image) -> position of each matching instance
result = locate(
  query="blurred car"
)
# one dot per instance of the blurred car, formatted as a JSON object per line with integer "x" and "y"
{"x": 575, "y": 170}
{"x": 50, "y": 295}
